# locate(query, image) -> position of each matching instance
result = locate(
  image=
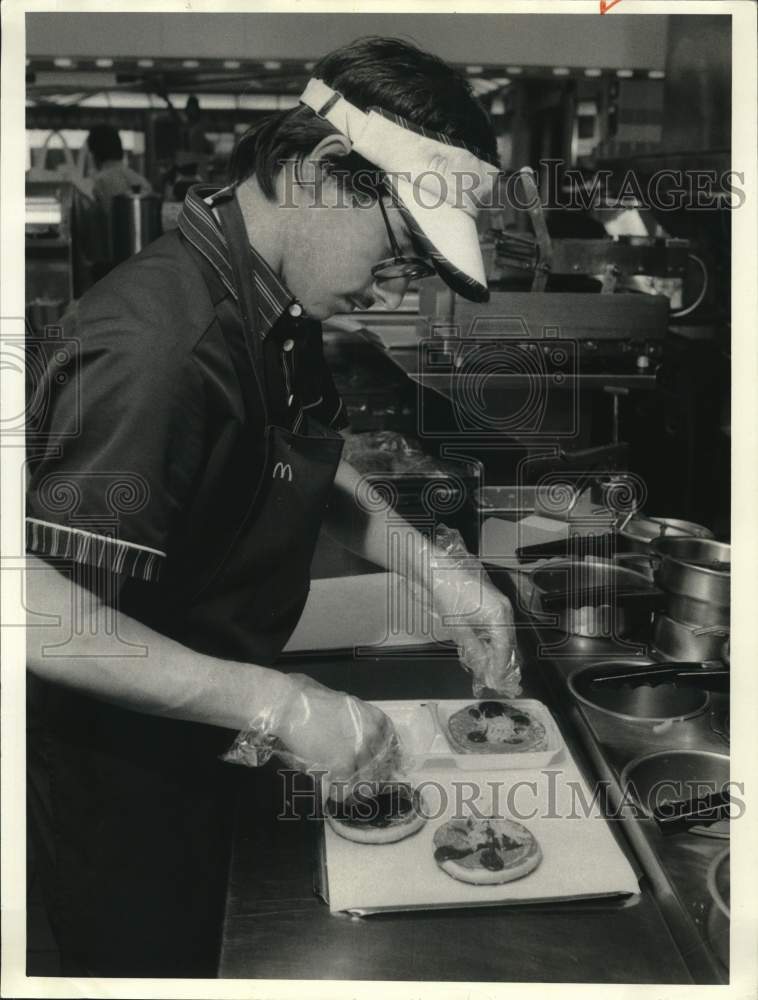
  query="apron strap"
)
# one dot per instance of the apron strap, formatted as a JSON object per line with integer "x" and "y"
{"x": 238, "y": 244}
{"x": 233, "y": 329}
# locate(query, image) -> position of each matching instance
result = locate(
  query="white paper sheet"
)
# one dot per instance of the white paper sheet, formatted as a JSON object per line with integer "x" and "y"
{"x": 372, "y": 609}
{"x": 580, "y": 855}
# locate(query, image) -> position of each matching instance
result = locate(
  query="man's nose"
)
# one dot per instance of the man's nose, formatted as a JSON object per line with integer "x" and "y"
{"x": 390, "y": 293}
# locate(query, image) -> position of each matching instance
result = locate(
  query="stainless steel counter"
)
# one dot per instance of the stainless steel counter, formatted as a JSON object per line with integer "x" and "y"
{"x": 276, "y": 927}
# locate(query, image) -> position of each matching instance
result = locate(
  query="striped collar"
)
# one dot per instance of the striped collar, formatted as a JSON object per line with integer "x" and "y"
{"x": 198, "y": 224}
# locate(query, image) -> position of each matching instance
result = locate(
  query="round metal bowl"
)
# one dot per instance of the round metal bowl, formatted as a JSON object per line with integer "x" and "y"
{"x": 643, "y": 703}
{"x": 670, "y": 775}
{"x": 719, "y": 914}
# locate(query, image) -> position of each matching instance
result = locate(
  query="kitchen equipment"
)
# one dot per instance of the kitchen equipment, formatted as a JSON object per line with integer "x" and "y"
{"x": 136, "y": 221}
{"x": 630, "y": 541}
{"x": 720, "y": 725}
{"x": 640, "y": 531}
{"x": 698, "y": 613}
{"x": 541, "y": 255}
{"x": 635, "y": 701}
{"x": 695, "y": 573}
{"x": 695, "y": 567}
{"x": 718, "y": 882}
{"x": 691, "y": 675}
{"x": 594, "y": 598}
{"x": 678, "y": 815}
{"x": 679, "y": 641}
{"x": 660, "y": 782}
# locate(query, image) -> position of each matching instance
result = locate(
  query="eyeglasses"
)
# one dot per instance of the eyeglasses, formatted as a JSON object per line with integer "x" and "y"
{"x": 398, "y": 266}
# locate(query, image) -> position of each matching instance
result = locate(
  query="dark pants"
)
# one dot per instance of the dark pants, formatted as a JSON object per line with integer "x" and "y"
{"x": 130, "y": 821}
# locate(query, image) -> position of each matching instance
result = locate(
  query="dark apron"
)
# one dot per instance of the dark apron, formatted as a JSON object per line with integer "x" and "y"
{"x": 131, "y": 816}
{"x": 251, "y": 601}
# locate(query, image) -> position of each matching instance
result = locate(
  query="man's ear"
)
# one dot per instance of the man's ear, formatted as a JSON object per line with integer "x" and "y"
{"x": 313, "y": 168}
{"x": 331, "y": 147}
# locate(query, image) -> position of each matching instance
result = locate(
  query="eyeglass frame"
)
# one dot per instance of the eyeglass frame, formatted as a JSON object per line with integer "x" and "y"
{"x": 412, "y": 268}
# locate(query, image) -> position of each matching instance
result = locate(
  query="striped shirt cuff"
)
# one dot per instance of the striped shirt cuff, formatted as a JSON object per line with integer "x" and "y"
{"x": 90, "y": 549}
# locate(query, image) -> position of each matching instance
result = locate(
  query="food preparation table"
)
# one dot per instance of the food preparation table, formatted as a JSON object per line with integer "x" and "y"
{"x": 277, "y": 928}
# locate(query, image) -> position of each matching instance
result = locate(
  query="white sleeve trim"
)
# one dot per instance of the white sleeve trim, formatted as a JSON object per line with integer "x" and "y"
{"x": 87, "y": 547}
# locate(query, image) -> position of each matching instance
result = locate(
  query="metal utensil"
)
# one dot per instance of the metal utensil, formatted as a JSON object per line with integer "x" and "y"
{"x": 683, "y": 674}
{"x": 637, "y": 703}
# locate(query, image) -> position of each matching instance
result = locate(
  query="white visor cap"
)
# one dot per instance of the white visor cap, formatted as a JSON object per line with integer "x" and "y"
{"x": 439, "y": 187}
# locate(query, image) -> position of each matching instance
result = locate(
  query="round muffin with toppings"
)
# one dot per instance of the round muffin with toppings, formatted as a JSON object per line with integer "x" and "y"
{"x": 381, "y": 814}
{"x": 486, "y": 851}
{"x": 495, "y": 727}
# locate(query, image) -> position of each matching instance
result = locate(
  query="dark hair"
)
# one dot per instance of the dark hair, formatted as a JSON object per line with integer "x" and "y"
{"x": 371, "y": 72}
{"x": 105, "y": 144}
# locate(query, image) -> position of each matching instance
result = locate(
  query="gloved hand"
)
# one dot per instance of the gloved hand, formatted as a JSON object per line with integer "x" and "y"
{"x": 333, "y": 735}
{"x": 475, "y": 615}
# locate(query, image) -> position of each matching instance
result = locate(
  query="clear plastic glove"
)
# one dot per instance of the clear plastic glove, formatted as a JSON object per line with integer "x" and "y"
{"x": 332, "y": 735}
{"x": 475, "y": 615}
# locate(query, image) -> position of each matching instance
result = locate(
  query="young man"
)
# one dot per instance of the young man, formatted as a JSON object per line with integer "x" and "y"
{"x": 192, "y": 459}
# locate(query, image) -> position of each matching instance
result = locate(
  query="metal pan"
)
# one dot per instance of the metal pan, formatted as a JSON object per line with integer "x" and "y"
{"x": 695, "y": 568}
{"x": 594, "y": 598}
{"x": 641, "y": 531}
{"x": 679, "y": 641}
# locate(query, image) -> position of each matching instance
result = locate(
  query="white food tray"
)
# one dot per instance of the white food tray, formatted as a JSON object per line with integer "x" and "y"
{"x": 580, "y": 856}
{"x": 422, "y": 730}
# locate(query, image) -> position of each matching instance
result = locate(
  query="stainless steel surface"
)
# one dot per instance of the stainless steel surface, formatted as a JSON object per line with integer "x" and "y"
{"x": 693, "y": 612}
{"x": 720, "y": 725}
{"x": 643, "y": 703}
{"x": 679, "y": 641}
{"x": 605, "y": 615}
{"x": 718, "y": 882}
{"x": 698, "y": 568}
{"x": 640, "y": 531}
{"x": 666, "y": 776}
{"x": 638, "y": 561}
{"x": 674, "y": 866}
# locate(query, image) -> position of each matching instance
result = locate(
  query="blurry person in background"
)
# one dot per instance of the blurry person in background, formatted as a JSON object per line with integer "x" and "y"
{"x": 194, "y": 139}
{"x": 112, "y": 176}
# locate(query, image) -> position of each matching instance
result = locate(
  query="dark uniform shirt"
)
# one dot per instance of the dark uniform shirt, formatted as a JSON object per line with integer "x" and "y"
{"x": 147, "y": 447}
{"x": 146, "y": 438}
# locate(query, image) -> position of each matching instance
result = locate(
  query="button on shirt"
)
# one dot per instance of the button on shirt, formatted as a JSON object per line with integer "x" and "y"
{"x": 147, "y": 453}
